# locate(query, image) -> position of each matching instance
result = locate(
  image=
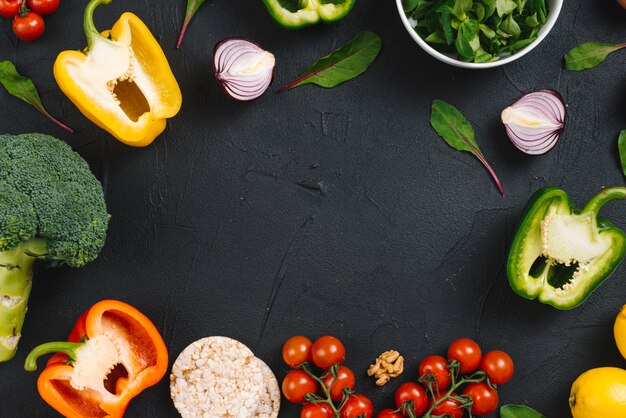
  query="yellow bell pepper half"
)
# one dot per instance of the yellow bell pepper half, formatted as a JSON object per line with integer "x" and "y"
{"x": 122, "y": 81}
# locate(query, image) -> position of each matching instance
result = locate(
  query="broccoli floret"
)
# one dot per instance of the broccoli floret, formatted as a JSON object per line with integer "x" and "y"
{"x": 51, "y": 208}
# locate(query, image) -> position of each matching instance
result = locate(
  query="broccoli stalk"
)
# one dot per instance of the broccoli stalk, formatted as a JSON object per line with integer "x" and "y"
{"x": 51, "y": 208}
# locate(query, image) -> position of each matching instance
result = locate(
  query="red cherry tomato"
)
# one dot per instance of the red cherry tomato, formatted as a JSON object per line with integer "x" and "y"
{"x": 43, "y": 7}
{"x": 412, "y": 392}
{"x": 345, "y": 379}
{"x": 29, "y": 27}
{"x": 485, "y": 398}
{"x": 9, "y": 8}
{"x": 436, "y": 366}
{"x": 328, "y": 351}
{"x": 297, "y": 384}
{"x": 358, "y": 406}
{"x": 316, "y": 410}
{"x": 389, "y": 413}
{"x": 448, "y": 407}
{"x": 499, "y": 366}
{"x": 297, "y": 350}
{"x": 467, "y": 353}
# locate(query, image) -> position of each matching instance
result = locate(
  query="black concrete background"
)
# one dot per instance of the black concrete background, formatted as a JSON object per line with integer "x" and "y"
{"x": 330, "y": 211}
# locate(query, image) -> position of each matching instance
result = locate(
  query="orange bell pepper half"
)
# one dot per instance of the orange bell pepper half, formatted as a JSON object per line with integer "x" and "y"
{"x": 113, "y": 353}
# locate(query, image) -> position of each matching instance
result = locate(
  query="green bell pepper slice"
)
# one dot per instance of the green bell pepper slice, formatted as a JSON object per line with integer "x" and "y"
{"x": 560, "y": 254}
{"x": 296, "y": 14}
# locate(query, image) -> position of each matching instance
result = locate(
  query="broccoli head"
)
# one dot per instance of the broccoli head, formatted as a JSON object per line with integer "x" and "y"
{"x": 51, "y": 208}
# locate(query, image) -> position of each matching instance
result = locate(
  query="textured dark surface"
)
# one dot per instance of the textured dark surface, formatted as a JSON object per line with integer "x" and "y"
{"x": 330, "y": 211}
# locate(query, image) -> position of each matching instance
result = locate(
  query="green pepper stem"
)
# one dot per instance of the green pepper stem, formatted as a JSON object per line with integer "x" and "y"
{"x": 90, "y": 28}
{"x": 603, "y": 197}
{"x": 66, "y": 348}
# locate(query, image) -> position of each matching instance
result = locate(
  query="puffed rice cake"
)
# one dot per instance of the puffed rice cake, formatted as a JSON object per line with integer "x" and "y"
{"x": 270, "y": 401}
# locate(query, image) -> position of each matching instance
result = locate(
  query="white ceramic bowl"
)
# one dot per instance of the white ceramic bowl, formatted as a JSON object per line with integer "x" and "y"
{"x": 553, "y": 14}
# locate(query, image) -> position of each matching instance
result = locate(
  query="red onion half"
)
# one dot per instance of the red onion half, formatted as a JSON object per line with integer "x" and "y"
{"x": 535, "y": 121}
{"x": 243, "y": 69}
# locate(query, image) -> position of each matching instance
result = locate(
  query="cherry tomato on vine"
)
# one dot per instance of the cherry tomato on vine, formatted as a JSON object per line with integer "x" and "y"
{"x": 297, "y": 350}
{"x": 28, "y": 27}
{"x": 389, "y": 413}
{"x": 345, "y": 379}
{"x": 43, "y": 7}
{"x": 485, "y": 398}
{"x": 498, "y": 365}
{"x": 297, "y": 384}
{"x": 9, "y": 8}
{"x": 327, "y": 351}
{"x": 447, "y": 407}
{"x": 436, "y": 366}
{"x": 412, "y": 392}
{"x": 357, "y": 406}
{"x": 467, "y": 353}
{"x": 316, "y": 410}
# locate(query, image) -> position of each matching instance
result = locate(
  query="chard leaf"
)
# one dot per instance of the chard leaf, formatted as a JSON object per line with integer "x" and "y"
{"x": 519, "y": 411}
{"x": 458, "y": 133}
{"x": 589, "y": 55}
{"x": 192, "y": 8}
{"x": 622, "y": 150}
{"x": 23, "y": 88}
{"x": 342, "y": 65}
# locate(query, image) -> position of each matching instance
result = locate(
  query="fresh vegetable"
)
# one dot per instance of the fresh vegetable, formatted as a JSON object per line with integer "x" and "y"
{"x": 51, "y": 208}
{"x": 621, "y": 145}
{"x": 412, "y": 398}
{"x": 9, "y": 8}
{"x": 28, "y": 26}
{"x": 560, "y": 254}
{"x": 192, "y": 8}
{"x": 316, "y": 410}
{"x": 342, "y": 379}
{"x": 437, "y": 368}
{"x": 484, "y": 397}
{"x": 357, "y": 406}
{"x": 297, "y": 384}
{"x": 113, "y": 353}
{"x": 43, "y": 7}
{"x": 344, "y": 64}
{"x": 599, "y": 393}
{"x": 519, "y": 411}
{"x": 535, "y": 121}
{"x": 499, "y": 366}
{"x": 327, "y": 351}
{"x": 297, "y": 350}
{"x": 389, "y": 413}
{"x": 452, "y": 126}
{"x": 388, "y": 365}
{"x": 451, "y": 407}
{"x": 24, "y": 89}
{"x": 243, "y": 69}
{"x": 121, "y": 81}
{"x": 302, "y": 13}
{"x": 589, "y": 55}
{"x": 480, "y": 30}
{"x": 467, "y": 353}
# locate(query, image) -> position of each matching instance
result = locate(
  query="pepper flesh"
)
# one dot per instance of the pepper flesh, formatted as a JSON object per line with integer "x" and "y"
{"x": 122, "y": 81}
{"x": 113, "y": 353}
{"x": 297, "y": 14}
{"x": 560, "y": 254}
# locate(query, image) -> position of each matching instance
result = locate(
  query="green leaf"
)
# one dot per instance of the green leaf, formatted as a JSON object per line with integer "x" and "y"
{"x": 461, "y": 7}
{"x": 192, "y": 8}
{"x": 519, "y": 411}
{"x": 409, "y": 5}
{"x": 504, "y": 7}
{"x": 23, "y": 88}
{"x": 622, "y": 150}
{"x": 343, "y": 64}
{"x": 510, "y": 26}
{"x": 589, "y": 55}
{"x": 467, "y": 40}
{"x": 458, "y": 133}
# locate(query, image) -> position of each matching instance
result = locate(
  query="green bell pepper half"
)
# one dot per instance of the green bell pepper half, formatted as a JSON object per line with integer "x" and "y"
{"x": 297, "y": 14}
{"x": 560, "y": 254}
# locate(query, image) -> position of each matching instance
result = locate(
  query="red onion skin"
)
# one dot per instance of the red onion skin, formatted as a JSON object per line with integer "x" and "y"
{"x": 220, "y": 83}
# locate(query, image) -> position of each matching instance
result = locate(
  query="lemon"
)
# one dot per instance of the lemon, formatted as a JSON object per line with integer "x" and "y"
{"x": 619, "y": 330}
{"x": 599, "y": 393}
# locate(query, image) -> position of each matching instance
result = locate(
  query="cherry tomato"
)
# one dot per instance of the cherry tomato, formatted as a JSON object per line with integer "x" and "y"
{"x": 389, "y": 413}
{"x": 412, "y": 392}
{"x": 29, "y": 27}
{"x": 297, "y": 350}
{"x": 498, "y": 365}
{"x": 316, "y": 410}
{"x": 43, "y": 7}
{"x": 357, "y": 406}
{"x": 485, "y": 398}
{"x": 328, "y": 351}
{"x": 467, "y": 353}
{"x": 9, "y": 8}
{"x": 345, "y": 379}
{"x": 297, "y": 384}
{"x": 447, "y": 407}
{"x": 436, "y": 365}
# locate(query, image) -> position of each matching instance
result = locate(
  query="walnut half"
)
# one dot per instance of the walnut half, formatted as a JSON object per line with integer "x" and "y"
{"x": 388, "y": 365}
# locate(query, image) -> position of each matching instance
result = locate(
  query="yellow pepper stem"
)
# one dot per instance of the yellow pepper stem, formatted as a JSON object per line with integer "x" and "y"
{"x": 90, "y": 28}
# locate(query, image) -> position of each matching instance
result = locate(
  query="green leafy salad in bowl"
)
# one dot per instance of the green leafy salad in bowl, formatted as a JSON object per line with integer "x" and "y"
{"x": 479, "y": 32}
